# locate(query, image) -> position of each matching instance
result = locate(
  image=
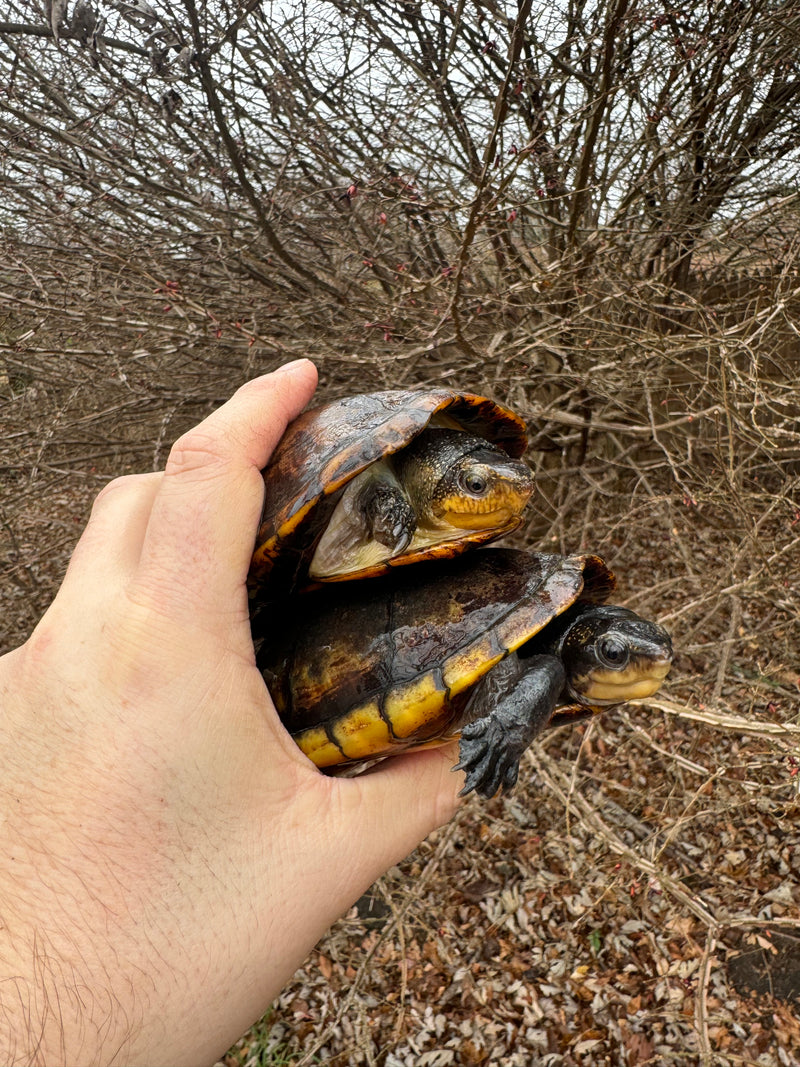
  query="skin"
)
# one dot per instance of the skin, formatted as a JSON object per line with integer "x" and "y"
{"x": 170, "y": 857}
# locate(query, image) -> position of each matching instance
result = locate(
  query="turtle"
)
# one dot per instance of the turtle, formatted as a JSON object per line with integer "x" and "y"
{"x": 372, "y": 481}
{"x": 492, "y": 648}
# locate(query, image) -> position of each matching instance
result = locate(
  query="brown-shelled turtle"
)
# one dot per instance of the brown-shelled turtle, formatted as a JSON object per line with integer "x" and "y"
{"x": 492, "y": 647}
{"x": 373, "y": 481}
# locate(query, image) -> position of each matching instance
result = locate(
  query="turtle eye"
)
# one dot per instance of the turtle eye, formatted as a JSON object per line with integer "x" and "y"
{"x": 474, "y": 482}
{"x": 613, "y": 652}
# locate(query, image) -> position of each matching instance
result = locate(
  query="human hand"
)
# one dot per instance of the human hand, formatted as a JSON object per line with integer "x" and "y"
{"x": 170, "y": 855}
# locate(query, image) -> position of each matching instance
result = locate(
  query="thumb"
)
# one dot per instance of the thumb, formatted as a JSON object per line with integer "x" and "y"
{"x": 395, "y": 806}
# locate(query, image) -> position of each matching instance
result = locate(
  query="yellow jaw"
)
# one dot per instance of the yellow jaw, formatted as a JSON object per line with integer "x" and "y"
{"x": 496, "y": 509}
{"x": 478, "y": 519}
{"x": 636, "y": 682}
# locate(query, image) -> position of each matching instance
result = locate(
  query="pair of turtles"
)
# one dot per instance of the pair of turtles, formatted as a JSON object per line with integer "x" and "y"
{"x": 367, "y": 654}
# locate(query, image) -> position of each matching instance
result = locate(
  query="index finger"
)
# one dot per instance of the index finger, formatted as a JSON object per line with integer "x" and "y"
{"x": 200, "y": 534}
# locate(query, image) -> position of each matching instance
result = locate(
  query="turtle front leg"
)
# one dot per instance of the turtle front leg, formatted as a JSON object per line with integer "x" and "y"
{"x": 388, "y": 516}
{"x": 511, "y": 705}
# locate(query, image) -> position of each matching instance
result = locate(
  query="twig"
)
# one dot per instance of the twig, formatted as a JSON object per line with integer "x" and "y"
{"x": 721, "y": 719}
{"x": 557, "y": 781}
{"x": 701, "y": 998}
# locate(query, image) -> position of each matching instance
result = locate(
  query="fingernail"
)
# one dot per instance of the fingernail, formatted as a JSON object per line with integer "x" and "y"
{"x": 295, "y": 363}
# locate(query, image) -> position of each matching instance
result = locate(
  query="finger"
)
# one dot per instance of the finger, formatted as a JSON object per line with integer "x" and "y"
{"x": 110, "y": 546}
{"x": 396, "y": 806}
{"x": 200, "y": 536}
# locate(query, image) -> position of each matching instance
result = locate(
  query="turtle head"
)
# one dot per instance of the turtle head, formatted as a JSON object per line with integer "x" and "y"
{"x": 467, "y": 483}
{"x": 611, "y": 654}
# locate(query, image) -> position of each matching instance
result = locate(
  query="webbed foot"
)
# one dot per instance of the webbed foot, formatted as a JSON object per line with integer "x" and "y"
{"x": 489, "y": 754}
{"x": 517, "y": 700}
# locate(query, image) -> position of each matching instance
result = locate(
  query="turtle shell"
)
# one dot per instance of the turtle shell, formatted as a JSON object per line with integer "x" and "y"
{"x": 367, "y": 671}
{"x": 326, "y": 447}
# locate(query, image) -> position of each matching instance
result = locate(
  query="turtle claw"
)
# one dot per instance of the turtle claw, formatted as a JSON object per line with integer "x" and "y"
{"x": 390, "y": 519}
{"x": 489, "y": 757}
{"x": 401, "y": 536}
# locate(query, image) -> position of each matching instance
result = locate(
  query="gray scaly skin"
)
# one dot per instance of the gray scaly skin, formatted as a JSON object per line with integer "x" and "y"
{"x": 591, "y": 657}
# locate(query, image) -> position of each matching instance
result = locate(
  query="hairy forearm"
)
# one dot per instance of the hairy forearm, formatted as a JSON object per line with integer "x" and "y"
{"x": 56, "y": 1007}
{"x": 67, "y": 994}
{"x": 73, "y": 961}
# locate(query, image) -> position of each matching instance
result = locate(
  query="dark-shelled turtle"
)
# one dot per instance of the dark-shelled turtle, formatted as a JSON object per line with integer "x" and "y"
{"x": 491, "y": 648}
